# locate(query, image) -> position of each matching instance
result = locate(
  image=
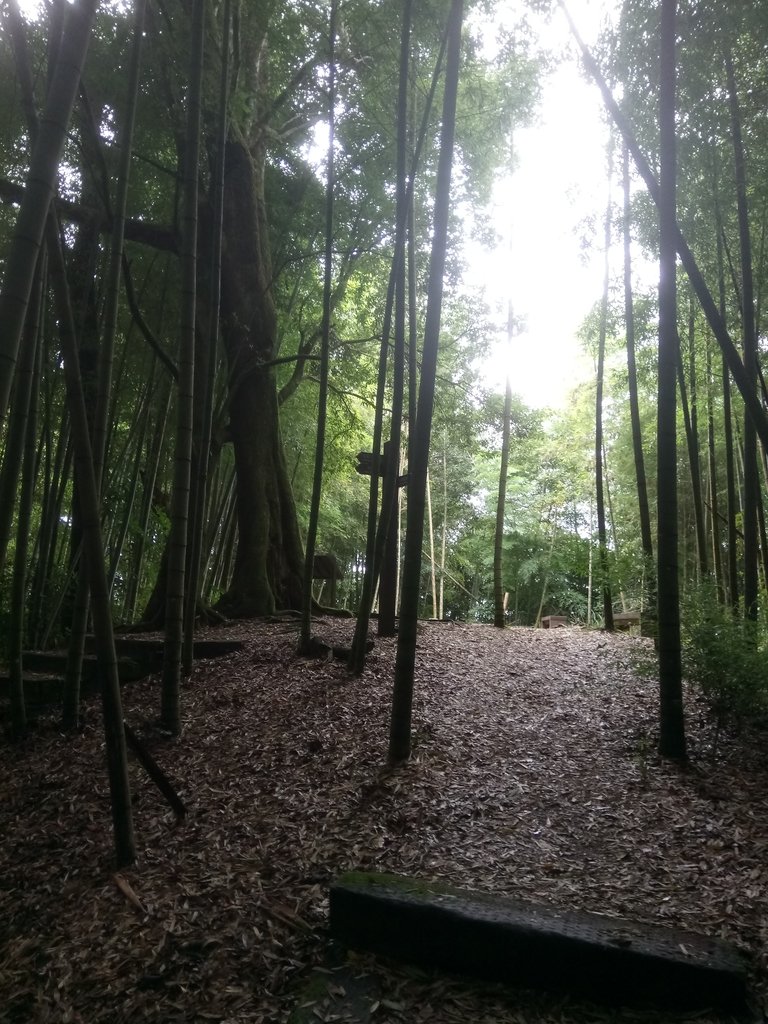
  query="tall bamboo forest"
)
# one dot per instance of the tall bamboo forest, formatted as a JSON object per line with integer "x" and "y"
{"x": 238, "y": 352}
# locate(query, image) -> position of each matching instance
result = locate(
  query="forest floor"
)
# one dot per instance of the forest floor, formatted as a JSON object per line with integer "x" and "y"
{"x": 534, "y": 775}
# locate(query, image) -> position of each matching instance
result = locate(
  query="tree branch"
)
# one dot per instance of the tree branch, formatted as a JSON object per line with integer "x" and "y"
{"x": 153, "y": 235}
{"x": 141, "y": 323}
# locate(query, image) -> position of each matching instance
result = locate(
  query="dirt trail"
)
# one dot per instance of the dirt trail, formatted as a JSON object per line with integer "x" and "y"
{"x": 533, "y": 774}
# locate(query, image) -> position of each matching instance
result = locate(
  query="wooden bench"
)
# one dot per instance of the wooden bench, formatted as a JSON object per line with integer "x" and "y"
{"x": 325, "y": 567}
{"x": 554, "y": 621}
{"x": 626, "y": 620}
{"x": 501, "y": 939}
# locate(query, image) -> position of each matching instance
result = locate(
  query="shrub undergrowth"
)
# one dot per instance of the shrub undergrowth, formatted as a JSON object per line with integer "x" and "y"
{"x": 726, "y": 656}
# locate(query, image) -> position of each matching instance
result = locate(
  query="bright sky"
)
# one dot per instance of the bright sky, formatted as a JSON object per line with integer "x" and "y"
{"x": 540, "y": 213}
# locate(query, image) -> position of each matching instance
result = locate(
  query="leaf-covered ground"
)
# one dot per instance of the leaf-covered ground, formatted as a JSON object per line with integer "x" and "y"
{"x": 534, "y": 774}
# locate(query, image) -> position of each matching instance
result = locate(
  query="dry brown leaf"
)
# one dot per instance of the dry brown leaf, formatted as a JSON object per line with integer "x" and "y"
{"x": 534, "y": 774}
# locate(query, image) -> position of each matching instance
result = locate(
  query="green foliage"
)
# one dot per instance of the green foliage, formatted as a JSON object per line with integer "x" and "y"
{"x": 548, "y": 529}
{"x": 725, "y": 656}
{"x": 546, "y": 543}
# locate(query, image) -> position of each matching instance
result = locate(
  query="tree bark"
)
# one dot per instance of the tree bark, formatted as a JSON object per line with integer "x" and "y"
{"x": 646, "y": 537}
{"x": 305, "y": 633}
{"x": 692, "y": 442}
{"x": 269, "y": 560}
{"x": 27, "y": 390}
{"x": 499, "y": 617}
{"x": 376, "y": 538}
{"x": 125, "y": 848}
{"x": 170, "y": 703}
{"x": 714, "y": 499}
{"x": 602, "y": 533}
{"x": 671, "y": 720}
{"x": 751, "y": 484}
{"x": 205, "y": 364}
{"x": 402, "y": 699}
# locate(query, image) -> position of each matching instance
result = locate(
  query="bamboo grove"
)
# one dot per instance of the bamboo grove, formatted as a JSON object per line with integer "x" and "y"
{"x": 232, "y": 242}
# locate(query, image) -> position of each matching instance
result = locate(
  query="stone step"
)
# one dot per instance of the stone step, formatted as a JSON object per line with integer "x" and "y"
{"x": 604, "y": 959}
{"x": 55, "y": 662}
{"x": 39, "y": 690}
{"x": 43, "y": 674}
{"x": 137, "y": 658}
{"x": 149, "y": 651}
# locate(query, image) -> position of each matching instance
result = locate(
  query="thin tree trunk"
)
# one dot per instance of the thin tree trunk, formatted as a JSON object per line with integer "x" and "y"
{"x": 357, "y": 653}
{"x": 206, "y": 371}
{"x": 223, "y": 573}
{"x": 431, "y": 522}
{"x": 730, "y": 459}
{"x": 672, "y": 723}
{"x": 16, "y": 438}
{"x": 219, "y": 519}
{"x": 131, "y": 490}
{"x": 27, "y": 389}
{"x": 388, "y": 584}
{"x": 125, "y": 848}
{"x": 402, "y": 701}
{"x": 590, "y": 569}
{"x": 377, "y": 532}
{"x": 694, "y": 447}
{"x": 101, "y": 422}
{"x": 148, "y": 487}
{"x": 602, "y": 537}
{"x": 763, "y": 546}
{"x": 47, "y": 542}
{"x": 305, "y": 636}
{"x": 611, "y": 524}
{"x": 499, "y": 617}
{"x": 692, "y": 443}
{"x": 413, "y": 340}
{"x": 170, "y": 703}
{"x": 750, "y": 355}
{"x": 444, "y": 536}
{"x": 646, "y": 538}
{"x": 112, "y": 284}
{"x": 545, "y": 579}
{"x": 714, "y": 500}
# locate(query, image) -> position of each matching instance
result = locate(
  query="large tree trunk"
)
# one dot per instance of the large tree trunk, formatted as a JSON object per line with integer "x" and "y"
{"x": 269, "y": 561}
